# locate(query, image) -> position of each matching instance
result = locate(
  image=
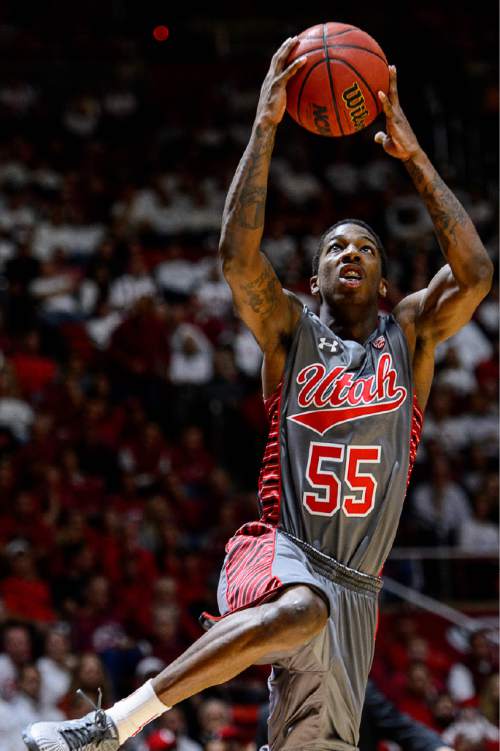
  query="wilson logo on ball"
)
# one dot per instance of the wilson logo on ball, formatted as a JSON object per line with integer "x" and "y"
{"x": 321, "y": 122}
{"x": 355, "y": 102}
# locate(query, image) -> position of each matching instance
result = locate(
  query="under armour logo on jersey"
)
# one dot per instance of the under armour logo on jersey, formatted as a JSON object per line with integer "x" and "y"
{"x": 332, "y": 344}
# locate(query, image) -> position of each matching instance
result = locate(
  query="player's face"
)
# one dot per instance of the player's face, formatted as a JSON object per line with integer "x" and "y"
{"x": 350, "y": 267}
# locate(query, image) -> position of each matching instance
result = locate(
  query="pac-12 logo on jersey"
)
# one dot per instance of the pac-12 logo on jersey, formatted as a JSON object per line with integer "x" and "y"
{"x": 379, "y": 343}
{"x": 337, "y": 397}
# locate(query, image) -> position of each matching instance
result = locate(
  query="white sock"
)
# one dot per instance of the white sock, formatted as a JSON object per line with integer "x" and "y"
{"x": 130, "y": 715}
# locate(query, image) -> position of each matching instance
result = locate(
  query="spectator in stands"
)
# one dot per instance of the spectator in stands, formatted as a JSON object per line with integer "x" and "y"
{"x": 440, "y": 505}
{"x": 97, "y": 611}
{"x": 128, "y": 289}
{"x": 278, "y": 245}
{"x": 10, "y": 729}
{"x": 16, "y": 214}
{"x": 419, "y": 693}
{"x": 29, "y": 703}
{"x": 422, "y": 650}
{"x": 89, "y": 675}
{"x": 468, "y": 677}
{"x": 213, "y": 716}
{"x": 191, "y": 359}
{"x": 139, "y": 346}
{"x": 34, "y": 541}
{"x": 480, "y": 423}
{"x": 161, "y": 740}
{"x": 25, "y": 593}
{"x": 175, "y": 724}
{"x": 101, "y": 325}
{"x": 66, "y": 228}
{"x": 55, "y": 291}
{"x": 146, "y": 456}
{"x": 489, "y": 699}
{"x": 192, "y": 459}
{"x": 33, "y": 370}
{"x": 471, "y": 731}
{"x": 444, "y": 711}
{"x": 17, "y": 651}
{"x": 479, "y": 534}
{"x": 82, "y": 115}
{"x": 167, "y": 642}
{"x": 213, "y": 296}
{"x": 247, "y": 354}
{"x": 453, "y": 375}
{"x": 21, "y": 269}
{"x": 441, "y": 426}
{"x": 487, "y": 374}
{"x": 476, "y": 470}
{"x": 16, "y": 414}
{"x": 226, "y": 739}
{"x": 177, "y": 276}
{"x": 470, "y": 344}
{"x": 165, "y": 592}
{"x": 56, "y": 664}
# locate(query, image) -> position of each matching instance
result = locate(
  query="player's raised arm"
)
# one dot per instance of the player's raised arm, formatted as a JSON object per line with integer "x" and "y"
{"x": 267, "y": 309}
{"x": 449, "y": 301}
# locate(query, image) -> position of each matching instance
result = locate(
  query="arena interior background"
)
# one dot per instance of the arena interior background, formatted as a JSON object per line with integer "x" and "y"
{"x": 131, "y": 422}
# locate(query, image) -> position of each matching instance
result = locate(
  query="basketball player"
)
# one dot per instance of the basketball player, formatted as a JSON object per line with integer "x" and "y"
{"x": 344, "y": 392}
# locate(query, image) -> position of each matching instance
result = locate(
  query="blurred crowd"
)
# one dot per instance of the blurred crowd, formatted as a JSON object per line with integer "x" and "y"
{"x": 131, "y": 418}
{"x": 449, "y": 684}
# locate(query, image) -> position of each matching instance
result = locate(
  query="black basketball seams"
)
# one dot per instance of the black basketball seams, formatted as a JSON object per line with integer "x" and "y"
{"x": 302, "y": 85}
{"x": 345, "y": 47}
{"x": 356, "y": 47}
{"x": 330, "y": 79}
{"x": 340, "y": 60}
{"x": 334, "y": 34}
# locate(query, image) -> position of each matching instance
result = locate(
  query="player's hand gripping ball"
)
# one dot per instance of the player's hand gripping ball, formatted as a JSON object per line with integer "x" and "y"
{"x": 335, "y": 93}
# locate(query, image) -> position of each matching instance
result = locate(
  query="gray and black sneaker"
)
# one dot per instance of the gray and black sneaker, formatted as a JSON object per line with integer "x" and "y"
{"x": 94, "y": 731}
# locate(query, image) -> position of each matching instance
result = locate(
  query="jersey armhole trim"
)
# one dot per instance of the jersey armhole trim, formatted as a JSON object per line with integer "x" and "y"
{"x": 415, "y": 406}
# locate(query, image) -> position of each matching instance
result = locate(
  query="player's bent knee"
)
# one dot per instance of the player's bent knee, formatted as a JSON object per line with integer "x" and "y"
{"x": 297, "y": 616}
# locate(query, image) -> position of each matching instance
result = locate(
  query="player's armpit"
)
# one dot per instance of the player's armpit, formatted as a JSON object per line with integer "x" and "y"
{"x": 405, "y": 314}
{"x": 445, "y": 306}
{"x": 269, "y": 311}
{"x": 432, "y": 315}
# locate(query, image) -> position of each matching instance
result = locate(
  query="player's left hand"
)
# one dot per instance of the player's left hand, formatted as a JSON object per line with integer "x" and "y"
{"x": 400, "y": 140}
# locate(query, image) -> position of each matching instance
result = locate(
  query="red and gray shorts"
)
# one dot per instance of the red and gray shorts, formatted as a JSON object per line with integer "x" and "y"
{"x": 316, "y": 693}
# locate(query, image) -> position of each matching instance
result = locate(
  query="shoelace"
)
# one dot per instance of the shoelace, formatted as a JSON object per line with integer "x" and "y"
{"x": 93, "y": 731}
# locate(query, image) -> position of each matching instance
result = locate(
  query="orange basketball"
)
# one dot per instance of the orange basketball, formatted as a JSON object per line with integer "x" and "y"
{"x": 335, "y": 92}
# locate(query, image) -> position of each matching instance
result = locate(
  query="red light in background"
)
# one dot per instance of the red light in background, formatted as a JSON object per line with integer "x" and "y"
{"x": 161, "y": 33}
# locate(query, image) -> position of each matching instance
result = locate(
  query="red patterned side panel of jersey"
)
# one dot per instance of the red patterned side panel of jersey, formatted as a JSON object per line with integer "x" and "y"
{"x": 248, "y": 568}
{"x": 270, "y": 471}
{"x": 417, "y": 421}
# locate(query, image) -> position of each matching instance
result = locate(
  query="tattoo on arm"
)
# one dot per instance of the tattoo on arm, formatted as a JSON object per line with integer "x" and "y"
{"x": 251, "y": 201}
{"x": 447, "y": 213}
{"x": 251, "y": 207}
{"x": 262, "y": 294}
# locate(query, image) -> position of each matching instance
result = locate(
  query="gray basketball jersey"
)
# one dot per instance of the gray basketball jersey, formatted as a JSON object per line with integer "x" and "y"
{"x": 344, "y": 432}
